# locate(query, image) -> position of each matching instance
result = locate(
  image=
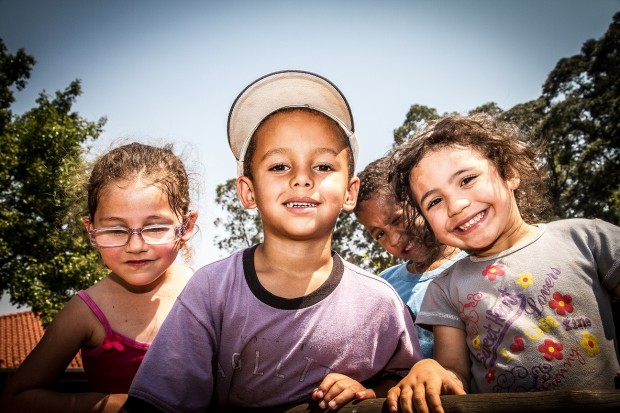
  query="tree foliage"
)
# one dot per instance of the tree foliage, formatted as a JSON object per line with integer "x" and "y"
{"x": 581, "y": 130}
{"x": 243, "y": 228}
{"x": 44, "y": 259}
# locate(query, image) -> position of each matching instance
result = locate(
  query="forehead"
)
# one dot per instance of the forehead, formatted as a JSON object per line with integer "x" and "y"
{"x": 300, "y": 129}
{"x": 377, "y": 212}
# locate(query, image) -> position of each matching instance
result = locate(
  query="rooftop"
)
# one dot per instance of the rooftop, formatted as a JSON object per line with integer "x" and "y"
{"x": 19, "y": 334}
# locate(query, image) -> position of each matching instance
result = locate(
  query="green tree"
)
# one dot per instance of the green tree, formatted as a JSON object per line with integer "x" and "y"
{"x": 243, "y": 227}
{"x": 581, "y": 130}
{"x": 44, "y": 259}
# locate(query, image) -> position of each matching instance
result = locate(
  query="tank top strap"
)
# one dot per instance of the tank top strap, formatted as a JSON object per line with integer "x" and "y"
{"x": 97, "y": 311}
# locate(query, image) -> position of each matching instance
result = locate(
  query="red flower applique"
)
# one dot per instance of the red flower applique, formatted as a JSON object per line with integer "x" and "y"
{"x": 561, "y": 303}
{"x": 493, "y": 271}
{"x": 490, "y": 376}
{"x": 551, "y": 350}
{"x": 115, "y": 342}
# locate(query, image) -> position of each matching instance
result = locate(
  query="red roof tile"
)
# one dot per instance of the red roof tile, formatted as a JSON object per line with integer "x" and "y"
{"x": 19, "y": 334}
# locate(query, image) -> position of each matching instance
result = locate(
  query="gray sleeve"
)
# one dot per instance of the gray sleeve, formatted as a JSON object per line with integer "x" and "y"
{"x": 607, "y": 252}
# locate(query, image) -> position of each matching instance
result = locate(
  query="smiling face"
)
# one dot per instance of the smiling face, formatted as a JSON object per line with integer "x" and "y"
{"x": 137, "y": 264}
{"x": 466, "y": 202}
{"x": 300, "y": 176}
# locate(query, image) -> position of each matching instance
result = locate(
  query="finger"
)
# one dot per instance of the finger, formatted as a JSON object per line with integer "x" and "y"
{"x": 328, "y": 381}
{"x": 406, "y": 401}
{"x": 428, "y": 400}
{"x": 342, "y": 398}
{"x": 317, "y": 394}
{"x": 365, "y": 394}
{"x": 392, "y": 399}
{"x": 454, "y": 386}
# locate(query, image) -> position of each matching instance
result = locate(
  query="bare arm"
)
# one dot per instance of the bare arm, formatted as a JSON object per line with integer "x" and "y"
{"x": 28, "y": 389}
{"x": 448, "y": 373}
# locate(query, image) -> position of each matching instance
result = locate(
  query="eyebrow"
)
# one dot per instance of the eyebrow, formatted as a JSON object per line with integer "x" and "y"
{"x": 285, "y": 151}
{"x": 452, "y": 178}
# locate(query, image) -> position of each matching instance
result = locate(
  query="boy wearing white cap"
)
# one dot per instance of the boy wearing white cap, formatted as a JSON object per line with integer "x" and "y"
{"x": 288, "y": 320}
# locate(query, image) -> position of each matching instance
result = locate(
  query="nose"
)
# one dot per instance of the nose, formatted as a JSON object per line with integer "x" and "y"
{"x": 136, "y": 243}
{"x": 394, "y": 238}
{"x": 457, "y": 205}
{"x": 302, "y": 178}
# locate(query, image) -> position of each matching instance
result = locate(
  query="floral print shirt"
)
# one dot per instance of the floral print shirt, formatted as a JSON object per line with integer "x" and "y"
{"x": 537, "y": 316}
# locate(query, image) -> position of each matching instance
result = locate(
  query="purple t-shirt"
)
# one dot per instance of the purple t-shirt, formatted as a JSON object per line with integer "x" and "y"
{"x": 229, "y": 341}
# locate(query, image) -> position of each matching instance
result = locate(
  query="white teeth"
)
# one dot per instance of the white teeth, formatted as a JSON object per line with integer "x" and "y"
{"x": 298, "y": 205}
{"x": 471, "y": 222}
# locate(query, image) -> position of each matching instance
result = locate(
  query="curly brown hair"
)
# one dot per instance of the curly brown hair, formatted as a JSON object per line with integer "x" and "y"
{"x": 502, "y": 143}
{"x": 159, "y": 165}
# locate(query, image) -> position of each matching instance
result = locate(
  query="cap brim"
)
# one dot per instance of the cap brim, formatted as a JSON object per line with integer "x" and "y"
{"x": 285, "y": 89}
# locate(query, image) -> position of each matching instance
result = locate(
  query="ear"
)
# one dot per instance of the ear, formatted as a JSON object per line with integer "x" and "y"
{"x": 514, "y": 181}
{"x": 350, "y": 197}
{"x": 86, "y": 221}
{"x": 245, "y": 191}
{"x": 191, "y": 225}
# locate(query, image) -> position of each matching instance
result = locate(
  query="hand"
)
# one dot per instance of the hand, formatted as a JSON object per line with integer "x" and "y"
{"x": 337, "y": 389}
{"x": 421, "y": 388}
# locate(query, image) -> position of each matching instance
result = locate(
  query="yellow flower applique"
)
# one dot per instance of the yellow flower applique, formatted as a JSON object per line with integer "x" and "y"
{"x": 475, "y": 342}
{"x": 590, "y": 344}
{"x": 525, "y": 279}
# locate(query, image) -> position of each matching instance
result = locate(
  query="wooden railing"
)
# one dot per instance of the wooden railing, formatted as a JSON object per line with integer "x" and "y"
{"x": 561, "y": 401}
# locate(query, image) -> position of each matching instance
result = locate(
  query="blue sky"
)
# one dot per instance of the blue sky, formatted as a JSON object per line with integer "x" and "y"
{"x": 164, "y": 71}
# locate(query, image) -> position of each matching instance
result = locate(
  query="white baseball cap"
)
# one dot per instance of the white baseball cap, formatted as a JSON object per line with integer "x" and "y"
{"x": 285, "y": 89}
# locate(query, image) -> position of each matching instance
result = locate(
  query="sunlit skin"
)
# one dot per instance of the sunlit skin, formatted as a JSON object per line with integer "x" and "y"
{"x": 466, "y": 202}
{"x": 300, "y": 184}
{"x": 135, "y": 296}
{"x": 468, "y": 205}
{"x": 137, "y": 266}
{"x": 300, "y": 179}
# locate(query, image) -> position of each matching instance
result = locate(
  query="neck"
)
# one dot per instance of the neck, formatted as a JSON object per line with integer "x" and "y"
{"x": 292, "y": 269}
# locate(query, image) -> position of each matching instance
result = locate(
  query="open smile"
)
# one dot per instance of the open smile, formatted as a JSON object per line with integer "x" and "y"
{"x": 300, "y": 205}
{"x": 473, "y": 221}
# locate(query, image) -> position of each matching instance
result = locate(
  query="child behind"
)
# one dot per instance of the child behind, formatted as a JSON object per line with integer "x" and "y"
{"x": 264, "y": 327}
{"x": 138, "y": 219}
{"x": 530, "y": 309}
{"x": 381, "y": 214}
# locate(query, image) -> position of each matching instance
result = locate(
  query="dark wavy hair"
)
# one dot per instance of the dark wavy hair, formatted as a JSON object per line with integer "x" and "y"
{"x": 502, "y": 143}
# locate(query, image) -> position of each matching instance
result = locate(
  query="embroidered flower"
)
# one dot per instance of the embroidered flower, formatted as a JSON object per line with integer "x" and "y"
{"x": 551, "y": 350}
{"x": 525, "y": 279}
{"x": 561, "y": 303}
{"x": 110, "y": 342}
{"x": 475, "y": 342}
{"x": 590, "y": 344}
{"x": 490, "y": 376}
{"x": 493, "y": 271}
{"x": 548, "y": 323}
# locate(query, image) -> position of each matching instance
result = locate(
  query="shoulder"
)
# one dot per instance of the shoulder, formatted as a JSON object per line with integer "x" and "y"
{"x": 217, "y": 274}
{"x": 367, "y": 282}
{"x": 75, "y": 319}
{"x": 583, "y": 228}
{"x": 394, "y": 270}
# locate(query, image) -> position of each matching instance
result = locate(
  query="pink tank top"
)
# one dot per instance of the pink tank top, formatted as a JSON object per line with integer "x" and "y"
{"x": 111, "y": 366}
